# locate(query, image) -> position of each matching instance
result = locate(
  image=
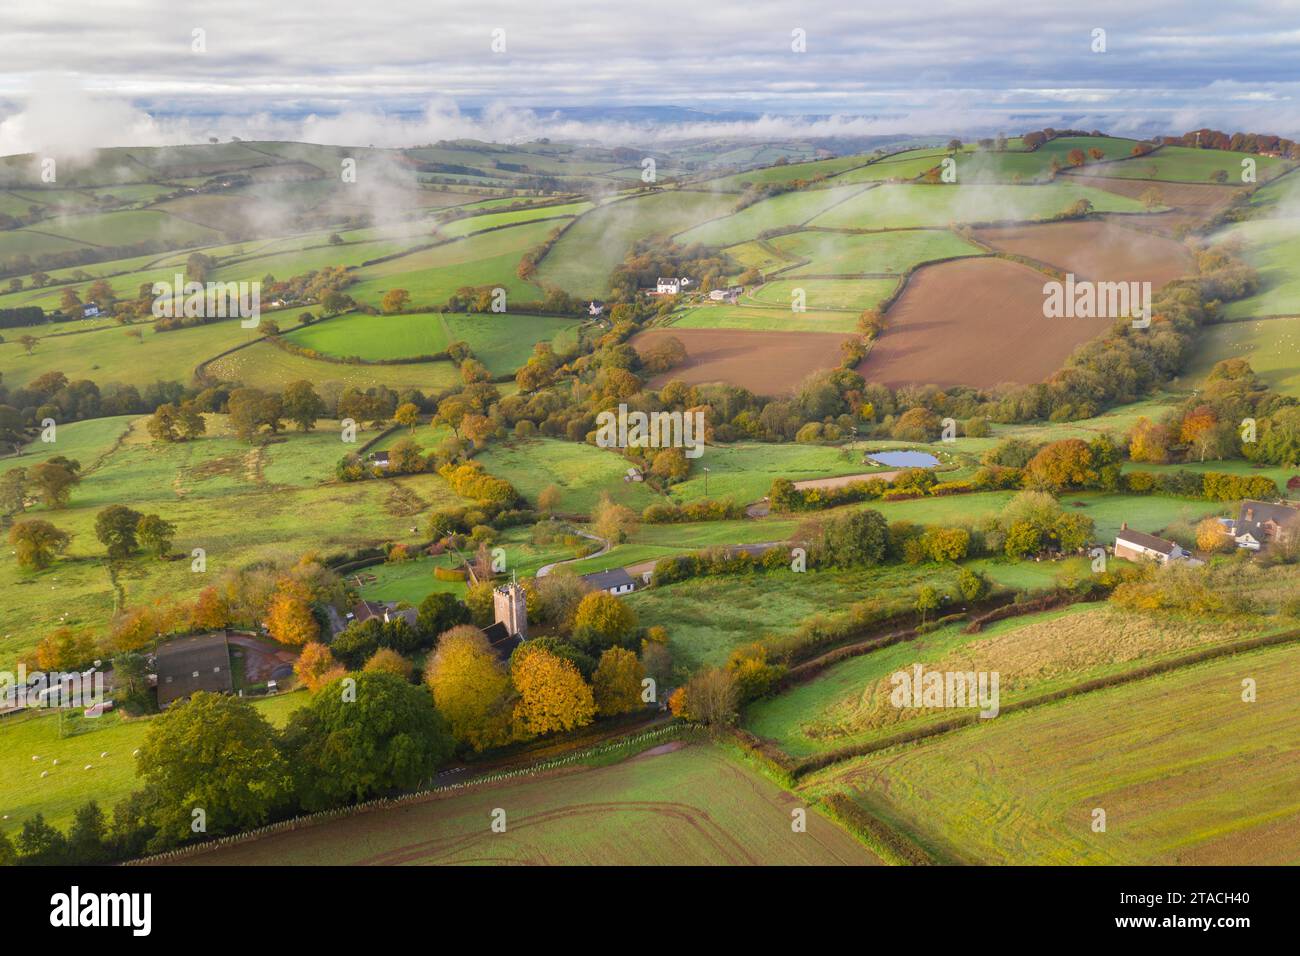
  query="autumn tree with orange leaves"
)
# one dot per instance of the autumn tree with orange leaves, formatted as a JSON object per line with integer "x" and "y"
{"x": 289, "y": 619}
{"x": 316, "y": 667}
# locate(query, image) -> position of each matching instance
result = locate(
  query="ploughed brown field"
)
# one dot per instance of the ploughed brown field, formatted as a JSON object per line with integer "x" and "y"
{"x": 1192, "y": 203}
{"x": 766, "y": 363}
{"x": 973, "y": 322}
{"x": 1100, "y": 251}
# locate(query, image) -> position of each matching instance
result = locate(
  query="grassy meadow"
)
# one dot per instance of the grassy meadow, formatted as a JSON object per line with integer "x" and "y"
{"x": 1154, "y": 755}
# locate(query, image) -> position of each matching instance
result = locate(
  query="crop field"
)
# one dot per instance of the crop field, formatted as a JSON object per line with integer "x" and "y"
{"x": 1269, "y": 345}
{"x": 851, "y": 294}
{"x": 195, "y": 485}
{"x": 766, "y": 363}
{"x": 1182, "y": 164}
{"x": 829, "y": 253}
{"x": 951, "y": 324}
{"x": 582, "y": 472}
{"x": 433, "y": 275}
{"x": 582, "y": 260}
{"x": 1100, "y": 251}
{"x": 502, "y": 342}
{"x": 909, "y": 206}
{"x": 1154, "y": 755}
{"x": 849, "y": 703}
{"x": 23, "y": 792}
{"x": 1273, "y": 247}
{"x": 787, "y": 209}
{"x": 680, "y": 805}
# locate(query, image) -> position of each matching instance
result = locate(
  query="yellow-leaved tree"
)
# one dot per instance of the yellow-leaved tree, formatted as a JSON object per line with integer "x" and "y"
{"x": 616, "y": 683}
{"x": 289, "y": 618}
{"x": 470, "y": 687}
{"x": 552, "y": 694}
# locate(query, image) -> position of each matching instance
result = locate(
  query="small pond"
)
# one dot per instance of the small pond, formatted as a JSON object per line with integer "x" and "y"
{"x": 903, "y": 459}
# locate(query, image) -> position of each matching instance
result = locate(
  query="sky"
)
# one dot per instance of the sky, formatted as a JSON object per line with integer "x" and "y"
{"x": 397, "y": 72}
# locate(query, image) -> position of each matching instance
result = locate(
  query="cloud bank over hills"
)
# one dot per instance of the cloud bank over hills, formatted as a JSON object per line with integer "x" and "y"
{"x": 147, "y": 72}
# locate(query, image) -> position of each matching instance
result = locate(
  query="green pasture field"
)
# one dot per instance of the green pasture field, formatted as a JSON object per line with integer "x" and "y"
{"x": 1022, "y": 788}
{"x": 1183, "y": 164}
{"x": 470, "y": 224}
{"x": 583, "y": 259}
{"x": 1038, "y": 654}
{"x": 34, "y": 242}
{"x": 902, "y": 206}
{"x": 1027, "y": 166}
{"x": 758, "y": 254}
{"x": 412, "y": 580}
{"x": 138, "y": 192}
{"x": 787, "y": 209}
{"x": 84, "y": 441}
{"x": 903, "y": 166}
{"x": 502, "y": 342}
{"x": 263, "y": 365}
{"x": 745, "y": 472}
{"x": 433, "y": 275}
{"x": 788, "y": 172}
{"x": 1269, "y": 345}
{"x": 128, "y": 226}
{"x": 1278, "y": 195}
{"x": 110, "y": 355}
{"x": 676, "y": 805}
{"x": 249, "y": 266}
{"x": 24, "y": 793}
{"x": 582, "y": 472}
{"x": 852, "y": 294}
{"x": 286, "y": 263}
{"x": 770, "y": 318}
{"x": 831, "y": 253}
{"x": 240, "y": 503}
{"x": 1234, "y": 466}
{"x": 1273, "y": 247}
{"x": 707, "y": 618}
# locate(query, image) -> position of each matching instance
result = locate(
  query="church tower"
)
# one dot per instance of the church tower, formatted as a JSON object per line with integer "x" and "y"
{"x": 510, "y": 604}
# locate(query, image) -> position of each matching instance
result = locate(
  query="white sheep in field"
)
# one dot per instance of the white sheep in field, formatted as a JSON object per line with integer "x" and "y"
{"x": 88, "y": 766}
{"x": 44, "y": 774}
{"x": 103, "y": 755}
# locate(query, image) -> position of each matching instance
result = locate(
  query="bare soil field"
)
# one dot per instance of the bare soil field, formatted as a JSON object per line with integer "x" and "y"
{"x": 1192, "y": 203}
{"x": 766, "y": 363}
{"x": 973, "y": 322}
{"x": 1100, "y": 251}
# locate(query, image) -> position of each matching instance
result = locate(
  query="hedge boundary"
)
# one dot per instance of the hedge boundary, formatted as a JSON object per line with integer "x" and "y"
{"x": 417, "y": 796}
